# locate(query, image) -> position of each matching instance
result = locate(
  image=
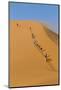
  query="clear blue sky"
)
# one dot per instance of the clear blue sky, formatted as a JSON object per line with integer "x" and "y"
{"x": 43, "y": 13}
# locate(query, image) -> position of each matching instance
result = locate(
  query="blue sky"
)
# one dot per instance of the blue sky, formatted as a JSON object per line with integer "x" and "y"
{"x": 44, "y": 13}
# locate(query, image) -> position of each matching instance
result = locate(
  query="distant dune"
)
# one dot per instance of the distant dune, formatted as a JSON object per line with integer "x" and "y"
{"x": 33, "y": 54}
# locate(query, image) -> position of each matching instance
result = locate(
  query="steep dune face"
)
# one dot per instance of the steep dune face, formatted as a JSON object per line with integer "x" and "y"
{"x": 53, "y": 36}
{"x": 33, "y": 55}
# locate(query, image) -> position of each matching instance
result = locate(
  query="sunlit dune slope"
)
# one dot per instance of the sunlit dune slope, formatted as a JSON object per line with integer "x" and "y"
{"x": 28, "y": 63}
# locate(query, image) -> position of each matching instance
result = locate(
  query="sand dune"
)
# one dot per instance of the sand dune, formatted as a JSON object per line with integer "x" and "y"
{"x": 33, "y": 54}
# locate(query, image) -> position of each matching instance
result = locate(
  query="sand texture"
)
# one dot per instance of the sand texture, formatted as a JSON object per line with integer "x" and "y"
{"x": 33, "y": 54}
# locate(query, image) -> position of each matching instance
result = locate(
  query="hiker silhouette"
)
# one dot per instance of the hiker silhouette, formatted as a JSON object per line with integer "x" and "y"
{"x": 17, "y": 25}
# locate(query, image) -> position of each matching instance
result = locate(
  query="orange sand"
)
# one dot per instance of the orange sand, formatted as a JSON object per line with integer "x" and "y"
{"x": 28, "y": 66}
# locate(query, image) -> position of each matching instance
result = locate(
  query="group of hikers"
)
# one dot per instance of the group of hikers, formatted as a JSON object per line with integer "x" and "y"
{"x": 38, "y": 46}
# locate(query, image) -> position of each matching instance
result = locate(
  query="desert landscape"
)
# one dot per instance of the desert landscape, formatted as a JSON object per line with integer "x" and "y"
{"x": 33, "y": 54}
